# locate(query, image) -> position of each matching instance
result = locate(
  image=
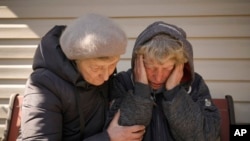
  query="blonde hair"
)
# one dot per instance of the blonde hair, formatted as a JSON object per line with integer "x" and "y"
{"x": 163, "y": 47}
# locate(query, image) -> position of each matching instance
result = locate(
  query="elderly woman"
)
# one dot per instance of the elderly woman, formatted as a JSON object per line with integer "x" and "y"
{"x": 162, "y": 91}
{"x": 66, "y": 96}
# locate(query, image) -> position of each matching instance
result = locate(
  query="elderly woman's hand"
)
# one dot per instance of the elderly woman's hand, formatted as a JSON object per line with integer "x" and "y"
{"x": 124, "y": 133}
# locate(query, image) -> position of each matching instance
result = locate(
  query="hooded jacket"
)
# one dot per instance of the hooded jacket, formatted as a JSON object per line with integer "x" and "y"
{"x": 50, "y": 108}
{"x": 185, "y": 112}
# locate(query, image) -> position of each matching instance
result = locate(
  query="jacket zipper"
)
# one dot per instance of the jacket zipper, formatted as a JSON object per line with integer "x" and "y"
{"x": 154, "y": 97}
{"x": 159, "y": 138}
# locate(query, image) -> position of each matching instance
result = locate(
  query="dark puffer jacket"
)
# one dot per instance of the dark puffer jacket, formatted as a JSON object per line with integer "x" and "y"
{"x": 185, "y": 113}
{"x": 50, "y": 109}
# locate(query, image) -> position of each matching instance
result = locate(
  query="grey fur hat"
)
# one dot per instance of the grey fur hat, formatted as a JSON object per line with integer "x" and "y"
{"x": 92, "y": 36}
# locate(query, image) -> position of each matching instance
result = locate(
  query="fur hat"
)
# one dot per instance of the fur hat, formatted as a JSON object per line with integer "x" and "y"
{"x": 92, "y": 36}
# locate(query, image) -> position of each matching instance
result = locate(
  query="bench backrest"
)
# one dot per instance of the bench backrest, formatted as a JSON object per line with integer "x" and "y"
{"x": 226, "y": 108}
{"x": 225, "y": 105}
{"x": 13, "y": 121}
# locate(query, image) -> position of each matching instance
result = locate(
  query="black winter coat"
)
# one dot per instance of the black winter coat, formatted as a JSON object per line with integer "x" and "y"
{"x": 50, "y": 109}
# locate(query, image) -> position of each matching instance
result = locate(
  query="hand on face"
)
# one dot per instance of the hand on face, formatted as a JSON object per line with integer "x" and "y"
{"x": 165, "y": 72}
{"x": 139, "y": 70}
{"x": 175, "y": 77}
{"x": 124, "y": 133}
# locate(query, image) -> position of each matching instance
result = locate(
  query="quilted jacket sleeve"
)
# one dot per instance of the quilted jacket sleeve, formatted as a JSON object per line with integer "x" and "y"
{"x": 41, "y": 115}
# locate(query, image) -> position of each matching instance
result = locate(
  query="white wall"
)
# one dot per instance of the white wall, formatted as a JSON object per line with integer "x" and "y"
{"x": 218, "y": 30}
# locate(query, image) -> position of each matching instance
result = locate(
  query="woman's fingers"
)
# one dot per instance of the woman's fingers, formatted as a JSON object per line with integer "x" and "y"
{"x": 139, "y": 70}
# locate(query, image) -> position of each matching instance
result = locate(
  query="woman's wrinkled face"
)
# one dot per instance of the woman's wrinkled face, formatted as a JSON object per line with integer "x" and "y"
{"x": 96, "y": 71}
{"x": 158, "y": 73}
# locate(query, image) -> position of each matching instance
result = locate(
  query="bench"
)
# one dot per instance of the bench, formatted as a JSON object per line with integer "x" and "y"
{"x": 225, "y": 106}
{"x": 13, "y": 121}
